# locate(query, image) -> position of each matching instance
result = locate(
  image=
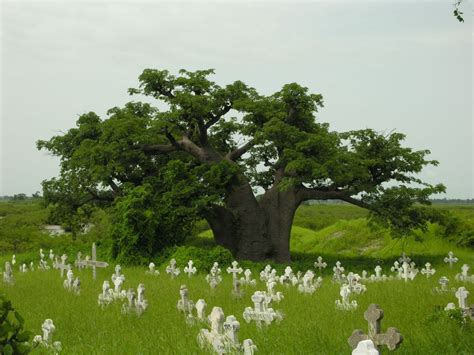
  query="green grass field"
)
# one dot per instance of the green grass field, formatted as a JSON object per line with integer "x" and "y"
{"x": 311, "y": 324}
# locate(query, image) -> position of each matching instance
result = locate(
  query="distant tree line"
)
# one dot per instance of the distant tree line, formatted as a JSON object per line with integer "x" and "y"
{"x": 21, "y": 197}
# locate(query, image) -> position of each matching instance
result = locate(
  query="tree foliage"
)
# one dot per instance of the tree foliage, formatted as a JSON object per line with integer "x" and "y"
{"x": 209, "y": 145}
{"x": 13, "y": 338}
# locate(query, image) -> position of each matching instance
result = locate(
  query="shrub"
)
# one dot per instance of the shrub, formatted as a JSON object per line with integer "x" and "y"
{"x": 13, "y": 339}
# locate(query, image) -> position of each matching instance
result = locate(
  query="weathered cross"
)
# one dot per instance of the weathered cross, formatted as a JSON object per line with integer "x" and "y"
{"x": 404, "y": 259}
{"x": 94, "y": 263}
{"x": 171, "y": 269}
{"x": 427, "y": 270}
{"x": 374, "y": 314}
{"x": 234, "y": 270}
{"x": 461, "y": 294}
{"x": 190, "y": 269}
{"x": 62, "y": 265}
{"x": 451, "y": 259}
{"x": 320, "y": 264}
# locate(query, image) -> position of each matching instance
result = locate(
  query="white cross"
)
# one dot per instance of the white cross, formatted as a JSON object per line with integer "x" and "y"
{"x": 461, "y": 295}
{"x": 234, "y": 270}
{"x": 320, "y": 264}
{"x": 451, "y": 259}
{"x": 190, "y": 269}
{"x": 427, "y": 270}
{"x": 62, "y": 266}
{"x": 171, "y": 269}
{"x": 93, "y": 262}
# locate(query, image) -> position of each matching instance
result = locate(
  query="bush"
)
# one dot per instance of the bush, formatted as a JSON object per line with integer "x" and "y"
{"x": 13, "y": 339}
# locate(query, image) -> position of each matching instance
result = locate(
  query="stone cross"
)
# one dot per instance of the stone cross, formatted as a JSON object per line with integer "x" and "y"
{"x": 261, "y": 311}
{"x": 172, "y": 270}
{"x": 427, "y": 270}
{"x": 461, "y": 294}
{"x": 41, "y": 254}
{"x": 105, "y": 297}
{"x": 397, "y": 268}
{"x": 234, "y": 270}
{"x": 354, "y": 285}
{"x": 51, "y": 255}
{"x": 338, "y": 272}
{"x": 451, "y": 259}
{"x": 94, "y": 263}
{"x": 236, "y": 292}
{"x": 307, "y": 286}
{"x": 214, "y": 277}
{"x": 378, "y": 271}
{"x": 13, "y": 260}
{"x": 62, "y": 265}
{"x": 201, "y": 309}
{"x": 190, "y": 269}
{"x": 406, "y": 271}
{"x": 222, "y": 335}
{"x": 464, "y": 275}
{"x": 248, "y": 278}
{"x": 23, "y": 268}
{"x": 274, "y": 296}
{"x": 404, "y": 259}
{"x": 344, "y": 304}
{"x": 8, "y": 274}
{"x": 78, "y": 262}
{"x": 184, "y": 304}
{"x": 287, "y": 276}
{"x": 46, "y": 340}
{"x": 320, "y": 264}
{"x": 141, "y": 303}
{"x": 374, "y": 315}
{"x": 151, "y": 269}
{"x": 444, "y": 281}
{"x": 264, "y": 275}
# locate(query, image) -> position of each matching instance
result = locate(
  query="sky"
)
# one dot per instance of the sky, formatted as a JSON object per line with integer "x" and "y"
{"x": 387, "y": 65}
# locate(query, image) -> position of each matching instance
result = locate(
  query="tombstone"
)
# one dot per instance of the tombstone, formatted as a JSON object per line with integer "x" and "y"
{"x": 397, "y": 268}
{"x": 461, "y": 294}
{"x": 136, "y": 302}
{"x": 184, "y": 304}
{"x": 308, "y": 286}
{"x": 404, "y": 259}
{"x": 364, "y": 275}
{"x": 249, "y": 347}
{"x": 32, "y": 266}
{"x": 443, "y": 281}
{"x": 451, "y": 259}
{"x": 365, "y": 347}
{"x": 214, "y": 277}
{"x": 374, "y": 315}
{"x": 344, "y": 304}
{"x": 338, "y": 275}
{"x": 261, "y": 312}
{"x": 275, "y": 296}
{"x": 118, "y": 279}
{"x": 23, "y": 268}
{"x": 320, "y": 264}
{"x": 72, "y": 284}
{"x": 55, "y": 262}
{"x": 151, "y": 269}
{"x": 105, "y": 298}
{"x": 408, "y": 271}
{"x": 247, "y": 280}
{"x": 94, "y": 263}
{"x": 464, "y": 275}
{"x": 46, "y": 341}
{"x": 62, "y": 265}
{"x": 190, "y": 269}
{"x": 51, "y": 255}
{"x": 236, "y": 291}
{"x": 172, "y": 270}
{"x": 43, "y": 264}
{"x": 287, "y": 277}
{"x": 354, "y": 285}
{"x": 13, "y": 260}
{"x": 265, "y": 273}
{"x": 223, "y": 335}
{"x": 427, "y": 270}
{"x": 79, "y": 262}
{"x": 234, "y": 270}
{"x": 201, "y": 306}
{"x": 8, "y": 274}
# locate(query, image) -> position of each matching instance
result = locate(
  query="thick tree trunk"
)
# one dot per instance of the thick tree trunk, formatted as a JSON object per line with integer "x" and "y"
{"x": 255, "y": 230}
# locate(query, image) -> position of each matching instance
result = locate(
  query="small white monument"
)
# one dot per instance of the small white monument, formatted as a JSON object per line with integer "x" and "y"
{"x": 235, "y": 270}
{"x": 151, "y": 269}
{"x": 427, "y": 270}
{"x": 320, "y": 264}
{"x": 172, "y": 270}
{"x": 247, "y": 280}
{"x": 8, "y": 274}
{"x": 450, "y": 259}
{"x": 261, "y": 312}
{"x": 464, "y": 275}
{"x": 46, "y": 341}
{"x": 344, "y": 304}
{"x": 338, "y": 273}
{"x": 214, "y": 277}
{"x": 190, "y": 269}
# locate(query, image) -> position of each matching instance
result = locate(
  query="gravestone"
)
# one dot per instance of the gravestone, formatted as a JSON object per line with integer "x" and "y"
{"x": 320, "y": 264}
{"x": 234, "y": 270}
{"x": 105, "y": 298}
{"x": 72, "y": 284}
{"x": 247, "y": 280}
{"x": 13, "y": 260}
{"x": 404, "y": 259}
{"x": 214, "y": 277}
{"x": 287, "y": 277}
{"x": 265, "y": 273}
{"x": 338, "y": 273}
{"x": 136, "y": 302}
{"x": 464, "y": 275}
{"x": 451, "y": 259}
{"x": 274, "y": 295}
{"x": 365, "y": 347}
{"x": 152, "y": 270}
{"x": 354, "y": 285}
{"x": 462, "y": 294}
{"x": 93, "y": 263}
{"x": 443, "y": 281}
{"x": 374, "y": 315}
{"x": 190, "y": 269}
{"x": 261, "y": 312}
{"x": 32, "y": 266}
{"x": 344, "y": 304}
{"x": 397, "y": 268}
{"x": 201, "y": 306}
{"x": 79, "y": 261}
{"x": 378, "y": 276}
{"x": 43, "y": 264}
{"x": 308, "y": 285}
{"x": 118, "y": 279}
{"x": 62, "y": 265}
{"x": 223, "y": 335}
{"x": 51, "y": 255}
{"x": 8, "y": 274}
{"x": 23, "y": 268}
{"x": 184, "y": 304}
{"x": 427, "y": 270}
{"x": 46, "y": 341}
{"x": 236, "y": 291}
{"x": 172, "y": 270}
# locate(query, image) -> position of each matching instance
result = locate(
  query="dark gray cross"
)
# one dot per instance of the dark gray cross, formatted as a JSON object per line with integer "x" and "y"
{"x": 373, "y": 315}
{"x": 93, "y": 262}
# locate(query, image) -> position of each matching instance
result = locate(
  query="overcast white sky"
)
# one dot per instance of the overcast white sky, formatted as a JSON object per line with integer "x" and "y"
{"x": 385, "y": 65}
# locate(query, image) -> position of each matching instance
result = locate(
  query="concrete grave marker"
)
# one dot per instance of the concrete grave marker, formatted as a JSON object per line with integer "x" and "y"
{"x": 172, "y": 270}
{"x": 451, "y": 259}
{"x": 184, "y": 304}
{"x": 235, "y": 270}
{"x": 365, "y": 347}
{"x": 320, "y": 264}
{"x": 94, "y": 263}
{"x": 151, "y": 269}
{"x": 46, "y": 341}
{"x": 427, "y": 270}
{"x": 105, "y": 298}
{"x": 248, "y": 278}
{"x": 8, "y": 274}
{"x": 464, "y": 275}
{"x": 374, "y": 315}
{"x": 344, "y": 304}
{"x": 214, "y": 277}
{"x": 261, "y": 312}
{"x": 190, "y": 269}
{"x": 338, "y": 273}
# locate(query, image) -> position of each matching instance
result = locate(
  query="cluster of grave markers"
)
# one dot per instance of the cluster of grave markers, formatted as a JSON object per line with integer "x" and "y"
{"x": 222, "y": 337}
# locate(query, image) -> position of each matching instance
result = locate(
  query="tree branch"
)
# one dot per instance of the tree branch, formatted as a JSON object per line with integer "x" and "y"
{"x": 237, "y": 153}
{"x": 217, "y": 117}
{"x": 306, "y": 194}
